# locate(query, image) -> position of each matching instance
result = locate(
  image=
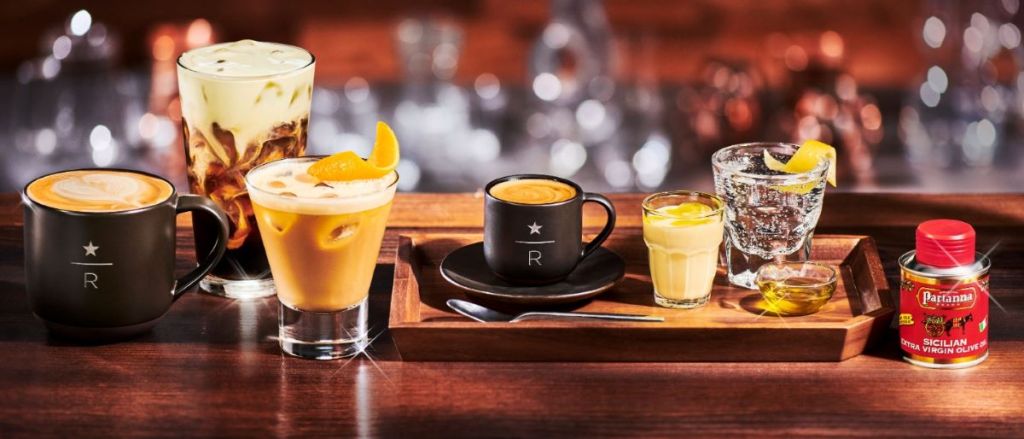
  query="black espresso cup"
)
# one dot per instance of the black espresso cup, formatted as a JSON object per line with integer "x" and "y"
{"x": 537, "y": 238}
{"x": 100, "y": 250}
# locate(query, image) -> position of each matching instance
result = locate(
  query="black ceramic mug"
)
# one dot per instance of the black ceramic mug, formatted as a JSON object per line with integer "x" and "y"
{"x": 103, "y": 268}
{"x": 536, "y": 241}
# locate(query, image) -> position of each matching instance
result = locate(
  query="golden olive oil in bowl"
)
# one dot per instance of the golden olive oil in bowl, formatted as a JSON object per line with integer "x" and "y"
{"x": 796, "y": 288}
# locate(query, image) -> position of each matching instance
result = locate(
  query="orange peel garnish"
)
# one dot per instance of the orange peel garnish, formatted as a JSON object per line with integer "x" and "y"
{"x": 347, "y": 165}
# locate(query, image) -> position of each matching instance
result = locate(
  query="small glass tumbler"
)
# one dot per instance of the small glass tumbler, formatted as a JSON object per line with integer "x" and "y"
{"x": 683, "y": 232}
{"x": 769, "y": 215}
{"x": 322, "y": 247}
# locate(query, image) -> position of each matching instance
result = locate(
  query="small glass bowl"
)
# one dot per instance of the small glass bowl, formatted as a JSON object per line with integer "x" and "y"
{"x": 795, "y": 288}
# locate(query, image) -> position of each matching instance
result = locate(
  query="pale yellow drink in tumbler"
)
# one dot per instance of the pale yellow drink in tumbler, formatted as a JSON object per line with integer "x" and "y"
{"x": 683, "y": 231}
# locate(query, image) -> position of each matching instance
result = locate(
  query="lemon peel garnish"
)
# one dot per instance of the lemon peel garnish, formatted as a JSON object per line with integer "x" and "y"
{"x": 805, "y": 159}
{"x": 687, "y": 213}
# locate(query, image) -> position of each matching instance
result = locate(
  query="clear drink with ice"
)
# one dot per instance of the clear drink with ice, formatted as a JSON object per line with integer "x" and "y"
{"x": 769, "y": 215}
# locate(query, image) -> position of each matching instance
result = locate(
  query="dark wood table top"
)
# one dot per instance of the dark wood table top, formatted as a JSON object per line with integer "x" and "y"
{"x": 211, "y": 367}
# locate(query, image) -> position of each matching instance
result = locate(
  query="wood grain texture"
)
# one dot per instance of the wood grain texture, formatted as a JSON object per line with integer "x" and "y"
{"x": 212, "y": 367}
{"x": 732, "y": 327}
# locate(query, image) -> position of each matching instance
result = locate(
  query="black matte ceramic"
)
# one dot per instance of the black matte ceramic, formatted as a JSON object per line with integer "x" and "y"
{"x": 466, "y": 269}
{"x": 536, "y": 244}
{"x": 108, "y": 275}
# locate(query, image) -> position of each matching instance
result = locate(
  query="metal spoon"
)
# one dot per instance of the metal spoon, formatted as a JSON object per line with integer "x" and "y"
{"x": 487, "y": 315}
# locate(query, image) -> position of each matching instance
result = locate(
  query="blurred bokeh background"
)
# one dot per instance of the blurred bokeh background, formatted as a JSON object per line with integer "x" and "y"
{"x": 619, "y": 95}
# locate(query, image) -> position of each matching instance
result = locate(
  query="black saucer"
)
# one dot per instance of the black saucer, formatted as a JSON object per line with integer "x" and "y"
{"x": 466, "y": 268}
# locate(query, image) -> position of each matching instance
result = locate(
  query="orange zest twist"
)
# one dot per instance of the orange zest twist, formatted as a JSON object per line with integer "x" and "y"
{"x": 347, "y": 165}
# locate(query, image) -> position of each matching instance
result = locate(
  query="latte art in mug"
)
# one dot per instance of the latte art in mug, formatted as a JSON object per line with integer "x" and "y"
{"x": 533, "y": 191}
{"x": 99, "y": 190}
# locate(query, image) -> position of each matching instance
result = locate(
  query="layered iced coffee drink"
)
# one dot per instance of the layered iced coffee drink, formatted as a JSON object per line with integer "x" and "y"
{"x": 243, "y": 104}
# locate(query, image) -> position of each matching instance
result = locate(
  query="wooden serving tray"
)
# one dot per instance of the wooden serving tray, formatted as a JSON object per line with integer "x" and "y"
{"x": 730, "y": 328}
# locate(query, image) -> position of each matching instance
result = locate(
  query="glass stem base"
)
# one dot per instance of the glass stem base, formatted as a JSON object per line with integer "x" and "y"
{"x": 323, "y": 335}
{"x": 238, "y": 289}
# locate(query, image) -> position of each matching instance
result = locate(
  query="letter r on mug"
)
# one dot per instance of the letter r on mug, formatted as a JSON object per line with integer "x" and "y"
{"x": 534, "y": 256}
{"x": 90, "y": 280}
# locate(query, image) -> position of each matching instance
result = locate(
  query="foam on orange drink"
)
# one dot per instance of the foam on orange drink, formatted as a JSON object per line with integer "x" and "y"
{"x": 322, "y": 237}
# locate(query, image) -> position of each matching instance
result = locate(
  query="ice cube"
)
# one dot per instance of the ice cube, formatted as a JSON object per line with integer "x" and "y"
{"x": 342, "y": 232}
{"x": 306, "y": 178}
{"x": 280, "y": 221}
{"x": 226, "y": 141}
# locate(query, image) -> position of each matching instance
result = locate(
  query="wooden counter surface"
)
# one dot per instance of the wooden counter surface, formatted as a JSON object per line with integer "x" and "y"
{"x": 212, "y": 367}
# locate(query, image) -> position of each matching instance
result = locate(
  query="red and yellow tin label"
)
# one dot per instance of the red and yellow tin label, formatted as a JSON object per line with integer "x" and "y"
{"x": 943, "y": 321}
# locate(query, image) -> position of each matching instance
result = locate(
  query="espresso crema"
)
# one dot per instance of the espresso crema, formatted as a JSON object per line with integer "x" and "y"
{"x": 96, "y": 190}
{"x": 533, "y": 191}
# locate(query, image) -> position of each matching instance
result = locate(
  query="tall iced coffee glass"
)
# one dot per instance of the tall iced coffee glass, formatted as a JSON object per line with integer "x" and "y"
{"x": 243, "y": 104}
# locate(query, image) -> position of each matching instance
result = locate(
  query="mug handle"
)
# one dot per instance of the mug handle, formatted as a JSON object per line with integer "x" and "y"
{"x": 608, "y": 226}
{"x": 197, "y": 204}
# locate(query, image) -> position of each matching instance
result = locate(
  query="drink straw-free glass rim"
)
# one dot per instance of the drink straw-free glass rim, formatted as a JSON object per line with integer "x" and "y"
{"x": 721, "y": 163}
{"x": 321, "y": 201}
{"x": 717, "y": 210}
{"x": 236, "y": 78}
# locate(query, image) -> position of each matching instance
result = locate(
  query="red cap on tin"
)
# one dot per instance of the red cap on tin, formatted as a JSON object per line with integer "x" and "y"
{"x": 945, "y": 243}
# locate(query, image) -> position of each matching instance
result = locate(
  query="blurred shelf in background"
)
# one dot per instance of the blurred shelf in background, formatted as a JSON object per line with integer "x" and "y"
{"x": 620, "y": 95}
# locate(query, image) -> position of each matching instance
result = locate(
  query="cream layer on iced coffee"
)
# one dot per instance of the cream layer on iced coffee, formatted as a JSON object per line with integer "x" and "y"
{"x": 246, "y": 88}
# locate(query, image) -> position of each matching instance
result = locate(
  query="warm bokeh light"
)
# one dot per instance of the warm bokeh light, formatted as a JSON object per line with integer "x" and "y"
{"x": 163, "y": 48}
{"x": 831, "y": 44}
{"x": 199, "y": 33}
{"x": 796, "y": 58}
{"x": 871, "y": 117}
